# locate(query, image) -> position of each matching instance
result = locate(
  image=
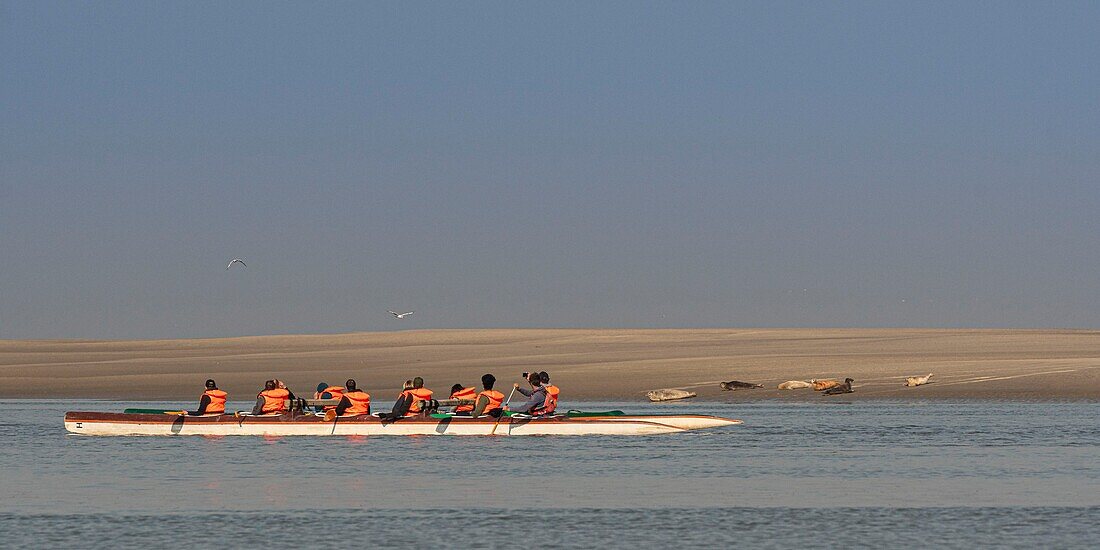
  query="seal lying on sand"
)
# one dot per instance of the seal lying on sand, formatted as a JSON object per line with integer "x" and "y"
{"x": 846, "y": 387}
{"x": 669, "y": 395}
{"x": 795, "y": 385}
{"x": 917, "y": 380}
{"x": 820, "y": 385}
{"x": 738, "y": 385}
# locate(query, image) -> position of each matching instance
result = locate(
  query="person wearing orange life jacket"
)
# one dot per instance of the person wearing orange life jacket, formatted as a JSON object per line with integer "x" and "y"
{"x": 353, "y": 403}
{"x": 489, "y": 401}
{"x": 460, "y": 392}
{"x": 408, "y": 402}
{"x": 272, "y": 399}
{"x": 551, "y": 401}
{"x": 325, "y": 391}
{"x": 419, "y": 393}
{"x": 212, "y": 400}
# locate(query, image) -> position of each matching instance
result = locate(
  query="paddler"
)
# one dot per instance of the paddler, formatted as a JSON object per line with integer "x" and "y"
{"x": 282, "y": 386}
{"x": 552, "y": 392}
{"x": 272, "y": 399}
{"x": 536, "y": 396}
{"x": 419, "y": 393}
{"x": 325, "y": 391}
{"x": 408, "y": 402}
{"x": 489, "y": 401}
{"x": 212, "y": 400}
{"x": 458, "y": 391}
{"x": 353, "y": 403}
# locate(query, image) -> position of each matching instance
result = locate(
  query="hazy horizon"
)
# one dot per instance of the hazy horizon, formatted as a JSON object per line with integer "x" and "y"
{"x": 565, "y": 165}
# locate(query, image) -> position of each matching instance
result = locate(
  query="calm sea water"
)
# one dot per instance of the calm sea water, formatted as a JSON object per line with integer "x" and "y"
{"x": 833, "y": 474}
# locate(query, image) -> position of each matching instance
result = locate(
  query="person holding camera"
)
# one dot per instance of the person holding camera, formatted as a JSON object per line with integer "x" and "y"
{"x": 536, "y": 396}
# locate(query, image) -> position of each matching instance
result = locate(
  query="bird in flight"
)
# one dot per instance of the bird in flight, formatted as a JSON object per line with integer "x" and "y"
{"x": 235, "y": 261}
{"x": 397, "y": 315}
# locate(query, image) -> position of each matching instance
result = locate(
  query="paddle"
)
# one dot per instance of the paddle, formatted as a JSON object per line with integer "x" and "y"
{"x": 509, "y": 400}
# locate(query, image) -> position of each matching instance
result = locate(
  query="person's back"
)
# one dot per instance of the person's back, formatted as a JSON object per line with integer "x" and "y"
{"x": 489, "y": 401}
{"x": 325, "y": 391}
{"x": 271, "y": 400}
{"x": 212, "y": 400}
{"x": 401, "y": 405}
{"x": 354, "y": 402}
{"x": 460, "y": 392}
{"x": 417, "y": 394}
{"x": 550, "y": 404}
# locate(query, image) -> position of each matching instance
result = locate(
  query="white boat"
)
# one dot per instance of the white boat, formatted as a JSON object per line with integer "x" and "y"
{"x": 105, "y": 423}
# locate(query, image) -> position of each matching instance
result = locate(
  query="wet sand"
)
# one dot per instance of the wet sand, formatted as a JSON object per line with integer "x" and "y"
{"x": 597, "y": 364}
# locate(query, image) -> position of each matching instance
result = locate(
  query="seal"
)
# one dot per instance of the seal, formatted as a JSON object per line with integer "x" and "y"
{"x": 917, "y": 380}
{"x": 738, "y": 385}
{"x": 820, "y": 385}
{"x": 795, "y": 385}
{"x": 669, "y": 395}
{"x": 846, "y": 387}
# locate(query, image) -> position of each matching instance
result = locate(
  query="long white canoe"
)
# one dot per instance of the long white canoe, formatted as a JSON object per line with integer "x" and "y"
{"x": 102, "y": 423}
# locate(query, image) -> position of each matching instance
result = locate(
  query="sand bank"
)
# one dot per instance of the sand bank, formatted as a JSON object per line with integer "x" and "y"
{"x": 597, "y": 364}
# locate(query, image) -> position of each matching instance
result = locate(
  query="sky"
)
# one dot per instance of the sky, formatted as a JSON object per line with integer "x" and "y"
{"x": 546, "y": 164}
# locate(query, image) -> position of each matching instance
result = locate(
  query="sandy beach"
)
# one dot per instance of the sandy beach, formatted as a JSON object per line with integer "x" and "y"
{"x": 598, "y": 364}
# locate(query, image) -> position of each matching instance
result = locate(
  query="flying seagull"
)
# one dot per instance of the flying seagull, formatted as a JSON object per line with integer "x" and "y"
{"x": 235, "y": 261}
{"x": 399, "y": 315}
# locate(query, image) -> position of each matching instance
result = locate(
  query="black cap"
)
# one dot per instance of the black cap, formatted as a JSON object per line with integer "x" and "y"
{"x": 210, "y": 384}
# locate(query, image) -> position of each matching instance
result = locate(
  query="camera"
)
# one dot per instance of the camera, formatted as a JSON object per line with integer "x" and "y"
{"x": 526, "y": 374}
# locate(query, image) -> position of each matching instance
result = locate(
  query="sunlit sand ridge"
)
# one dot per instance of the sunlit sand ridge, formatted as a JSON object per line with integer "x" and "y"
{"x": 586, "y": 364}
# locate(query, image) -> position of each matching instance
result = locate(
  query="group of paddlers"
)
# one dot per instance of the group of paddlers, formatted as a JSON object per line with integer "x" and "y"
{"x": 414, "y": 399}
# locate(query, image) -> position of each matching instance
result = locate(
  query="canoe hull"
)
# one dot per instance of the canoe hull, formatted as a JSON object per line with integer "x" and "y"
{"x": 100, "y": 423}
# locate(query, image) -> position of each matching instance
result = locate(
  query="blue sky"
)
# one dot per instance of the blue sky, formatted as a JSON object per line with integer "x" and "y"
{"x": 534, "y": 164}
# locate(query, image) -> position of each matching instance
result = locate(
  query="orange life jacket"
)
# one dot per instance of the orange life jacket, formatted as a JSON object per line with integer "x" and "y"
{"x": 464, "y": 393}
{"x": 217, "y": 401}
{"x": 336, "y": 391}
{"x": 496, "y": 399}
{"x": 274, "y": 400}
{"x": 360, "y": 403}
{"x": 551, "y": 401}
{"x": 419, "y": 394}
